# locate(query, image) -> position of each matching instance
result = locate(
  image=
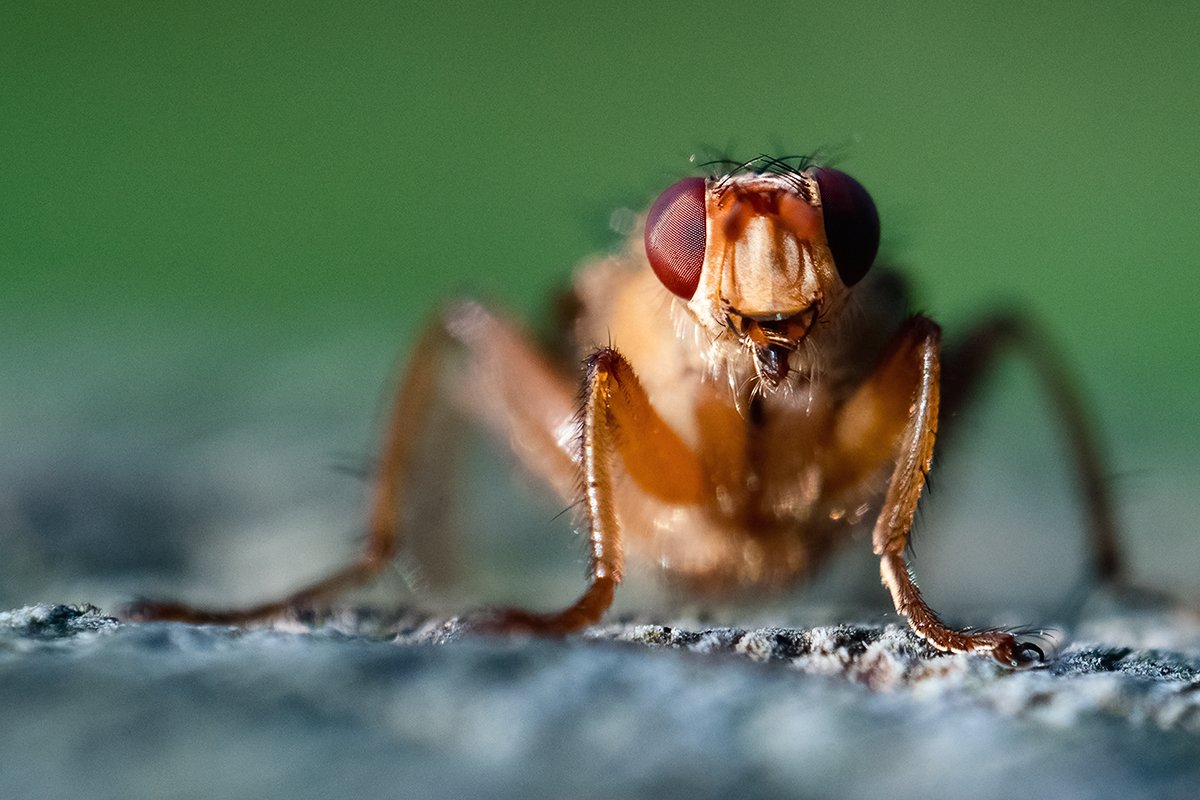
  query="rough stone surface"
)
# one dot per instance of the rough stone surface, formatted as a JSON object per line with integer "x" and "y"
{"x": 361, "y": 704}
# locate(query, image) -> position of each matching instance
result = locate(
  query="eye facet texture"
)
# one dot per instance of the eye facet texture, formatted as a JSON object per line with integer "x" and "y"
{"x": 675, "y": 236}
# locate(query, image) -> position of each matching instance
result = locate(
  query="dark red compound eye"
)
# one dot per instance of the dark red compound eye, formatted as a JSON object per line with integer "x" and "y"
{"x": 851, "y": 223}
{"x": 675, "y": 236}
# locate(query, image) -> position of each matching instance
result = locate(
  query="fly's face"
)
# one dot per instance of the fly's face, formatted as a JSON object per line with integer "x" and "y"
{"x": 762, "y": 259}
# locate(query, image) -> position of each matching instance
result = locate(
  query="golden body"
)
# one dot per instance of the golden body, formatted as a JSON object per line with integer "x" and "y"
{"x": 744, "y": 485}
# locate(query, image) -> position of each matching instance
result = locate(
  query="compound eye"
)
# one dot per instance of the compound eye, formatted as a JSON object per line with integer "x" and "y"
{"x": 675, "y": 236}
{"x": 851, "y": 223}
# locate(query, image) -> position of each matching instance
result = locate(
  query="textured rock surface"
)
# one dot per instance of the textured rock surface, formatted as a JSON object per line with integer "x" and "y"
{"x": 363, "y": 706}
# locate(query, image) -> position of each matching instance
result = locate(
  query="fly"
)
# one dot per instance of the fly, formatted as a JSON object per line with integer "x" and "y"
{"x": 751, "y": 390}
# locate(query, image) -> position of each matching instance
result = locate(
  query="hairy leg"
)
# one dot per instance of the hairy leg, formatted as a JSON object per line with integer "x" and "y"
{"x": 513, "y": 387}
{"x": 896, "y": 412}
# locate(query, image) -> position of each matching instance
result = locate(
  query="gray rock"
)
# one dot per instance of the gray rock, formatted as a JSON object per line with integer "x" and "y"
{"x": 361, "y": 704}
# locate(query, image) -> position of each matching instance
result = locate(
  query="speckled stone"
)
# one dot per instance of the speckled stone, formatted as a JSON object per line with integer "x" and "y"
{"x": 366, "y": 704}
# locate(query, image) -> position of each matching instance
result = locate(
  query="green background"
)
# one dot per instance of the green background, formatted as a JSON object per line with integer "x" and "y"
{"x": 197, "y": 198}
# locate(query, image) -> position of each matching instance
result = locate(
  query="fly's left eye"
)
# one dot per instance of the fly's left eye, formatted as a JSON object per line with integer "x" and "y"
{"x": 851, "y": 223}
{"x": 675, "y": 236}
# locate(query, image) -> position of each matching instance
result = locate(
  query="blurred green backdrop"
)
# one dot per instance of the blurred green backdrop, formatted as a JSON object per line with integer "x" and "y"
{"x": 196, "y": 197}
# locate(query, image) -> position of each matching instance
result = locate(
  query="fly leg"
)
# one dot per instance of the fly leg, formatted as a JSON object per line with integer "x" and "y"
{"x": 964, "y": 367}
{"x": 406, "y": 420}
{"x": 515, "y": 385}
{"x": 516, "y": 392}
{"x": 892, "y": 418}
{"x": 619, "y": 426}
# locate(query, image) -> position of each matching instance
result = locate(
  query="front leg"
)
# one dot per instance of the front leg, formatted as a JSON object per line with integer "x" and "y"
{"x": 618, "y": 424}
{"x": 896, "y": 412}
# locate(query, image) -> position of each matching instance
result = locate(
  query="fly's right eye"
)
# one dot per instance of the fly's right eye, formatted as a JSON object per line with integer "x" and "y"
{"x": 675, "y": 236}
